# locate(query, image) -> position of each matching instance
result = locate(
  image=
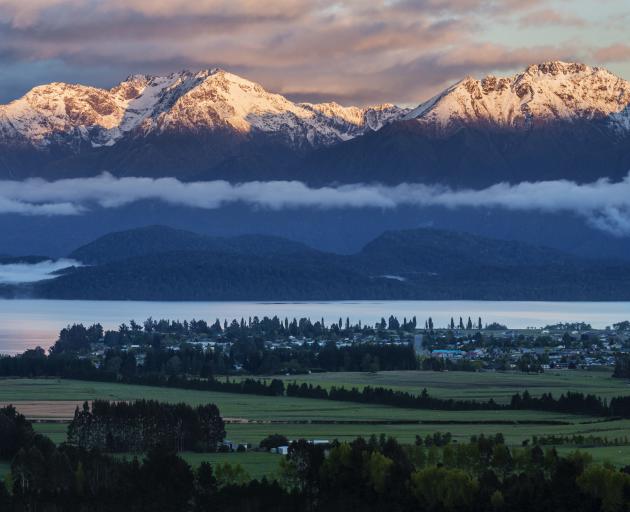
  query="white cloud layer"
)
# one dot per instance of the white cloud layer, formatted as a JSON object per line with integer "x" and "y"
{"x": 14, "y": 273}
{"x": 604, "y": 204}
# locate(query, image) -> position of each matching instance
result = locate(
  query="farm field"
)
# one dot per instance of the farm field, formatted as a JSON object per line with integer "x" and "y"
{"x": 514, "y": 434}
{"x": 251, "y": 417}
{"x": 255, "y": 464}
{"x": 57, "y": 432}
{"x": 33, "y": 396}
{"x": 616, "y": 455}
{"x": 476, "y": 385}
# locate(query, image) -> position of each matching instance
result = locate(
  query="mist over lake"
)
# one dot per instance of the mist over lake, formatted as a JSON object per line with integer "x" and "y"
{"x": 28, "y": 323}
{"x": 24, "y": 272}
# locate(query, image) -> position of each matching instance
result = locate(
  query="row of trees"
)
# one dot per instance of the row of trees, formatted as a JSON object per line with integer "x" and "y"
{"x": 386, "y": 396}
{"x": 256, "y": 358}
{"x": 77, "y": 338}
{"x": 571, "y": 402}
{"x": 580, "y": 440}
{"x": 252, "y": 355}
{"x": 144, "y": 424}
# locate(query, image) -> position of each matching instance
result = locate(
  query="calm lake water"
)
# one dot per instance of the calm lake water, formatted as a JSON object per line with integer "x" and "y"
{"x": 29, "y": 323}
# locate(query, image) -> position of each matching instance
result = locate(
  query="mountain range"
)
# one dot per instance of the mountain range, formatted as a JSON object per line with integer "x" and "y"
{"x": 553, "y": 120}
{"x": 162, "y": 263}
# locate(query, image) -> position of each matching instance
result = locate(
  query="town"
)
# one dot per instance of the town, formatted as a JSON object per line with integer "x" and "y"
{"x": 274, "y": 346}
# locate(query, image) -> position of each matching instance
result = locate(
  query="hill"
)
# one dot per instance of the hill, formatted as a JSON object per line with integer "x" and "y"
{"x": 413, "y": 264}
{"x": 152, "y": 240}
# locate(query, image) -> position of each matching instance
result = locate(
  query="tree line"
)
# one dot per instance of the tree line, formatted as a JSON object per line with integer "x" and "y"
{"x": 144, "y": 424}
{"x": 570, "y": 402}
{"x": 372, "y": 475}
{"x": 251, "y": 354}
{"x": 78, "y": 337}
{"x": 579, "y": 440}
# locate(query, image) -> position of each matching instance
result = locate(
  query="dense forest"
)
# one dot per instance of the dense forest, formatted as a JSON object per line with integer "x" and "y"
{"x": 375, "y": 474}
{"x": 144, "y": 424}
{"x": 413, "y": 264}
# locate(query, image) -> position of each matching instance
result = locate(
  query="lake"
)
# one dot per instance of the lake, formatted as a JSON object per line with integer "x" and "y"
{"x": 29, "y": 323}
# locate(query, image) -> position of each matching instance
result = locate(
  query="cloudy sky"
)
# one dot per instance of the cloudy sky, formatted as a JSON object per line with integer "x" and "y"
{"x": 353, "y": 51}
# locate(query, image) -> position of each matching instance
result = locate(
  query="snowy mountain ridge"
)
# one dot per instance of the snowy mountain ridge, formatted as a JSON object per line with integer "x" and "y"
{"x": 206, "y": 100}
{"x": 58, "y": 120}
{"x": 542, "y": 93}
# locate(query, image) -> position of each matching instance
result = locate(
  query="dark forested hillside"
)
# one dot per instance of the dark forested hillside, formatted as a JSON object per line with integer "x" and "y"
{"x": 441, "y": 251}
{"x": 160, "y": 263}
{"x": 473, "y": 156}
{"x": 159, "y": 239}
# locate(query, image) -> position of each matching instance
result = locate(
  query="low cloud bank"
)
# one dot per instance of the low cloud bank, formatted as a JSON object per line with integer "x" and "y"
{"x": 604, "y": 204}
{"x": 14, "y": 273}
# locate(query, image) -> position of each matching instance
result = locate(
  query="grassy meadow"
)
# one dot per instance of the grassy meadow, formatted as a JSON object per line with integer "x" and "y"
{"x": 255, "y": 464}
{"x": 476, "y": 385}
{"x": 250, "y": 418}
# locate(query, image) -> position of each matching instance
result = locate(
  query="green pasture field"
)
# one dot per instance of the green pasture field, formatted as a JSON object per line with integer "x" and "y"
{"x": 57, "y": 432}
{"x": 245, "y": 407}
{"x": 254, "y": 432}
{"x": 476, "y": 385}
{"x": 251, "y": 418}
{"x": 514, "y": 434}
{"x": 255, "y": 464}
{"x": 616, "y": 455}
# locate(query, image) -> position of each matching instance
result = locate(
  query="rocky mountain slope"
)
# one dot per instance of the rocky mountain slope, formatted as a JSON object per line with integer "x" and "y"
{"x": 71, "y": 114}
{"x": 542, "y": 94}
{"x": 553, "y": 120}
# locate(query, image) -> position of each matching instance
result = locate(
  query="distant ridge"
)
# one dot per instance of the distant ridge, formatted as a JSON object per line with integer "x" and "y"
{"x": 152, "y": 240}
{"x": 160, "y": 263}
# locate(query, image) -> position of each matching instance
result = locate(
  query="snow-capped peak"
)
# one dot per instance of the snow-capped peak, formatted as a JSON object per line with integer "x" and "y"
{"x": 542, "y": 93}
{"x": 209, "y": 99}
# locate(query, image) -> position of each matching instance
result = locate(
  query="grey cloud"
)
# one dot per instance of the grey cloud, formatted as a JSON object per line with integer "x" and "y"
{"x": 353, "y": 51}
{"x": 613, "y": 53}
{"x": 604, "y": 204}
{"x": 546, "y": 17}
